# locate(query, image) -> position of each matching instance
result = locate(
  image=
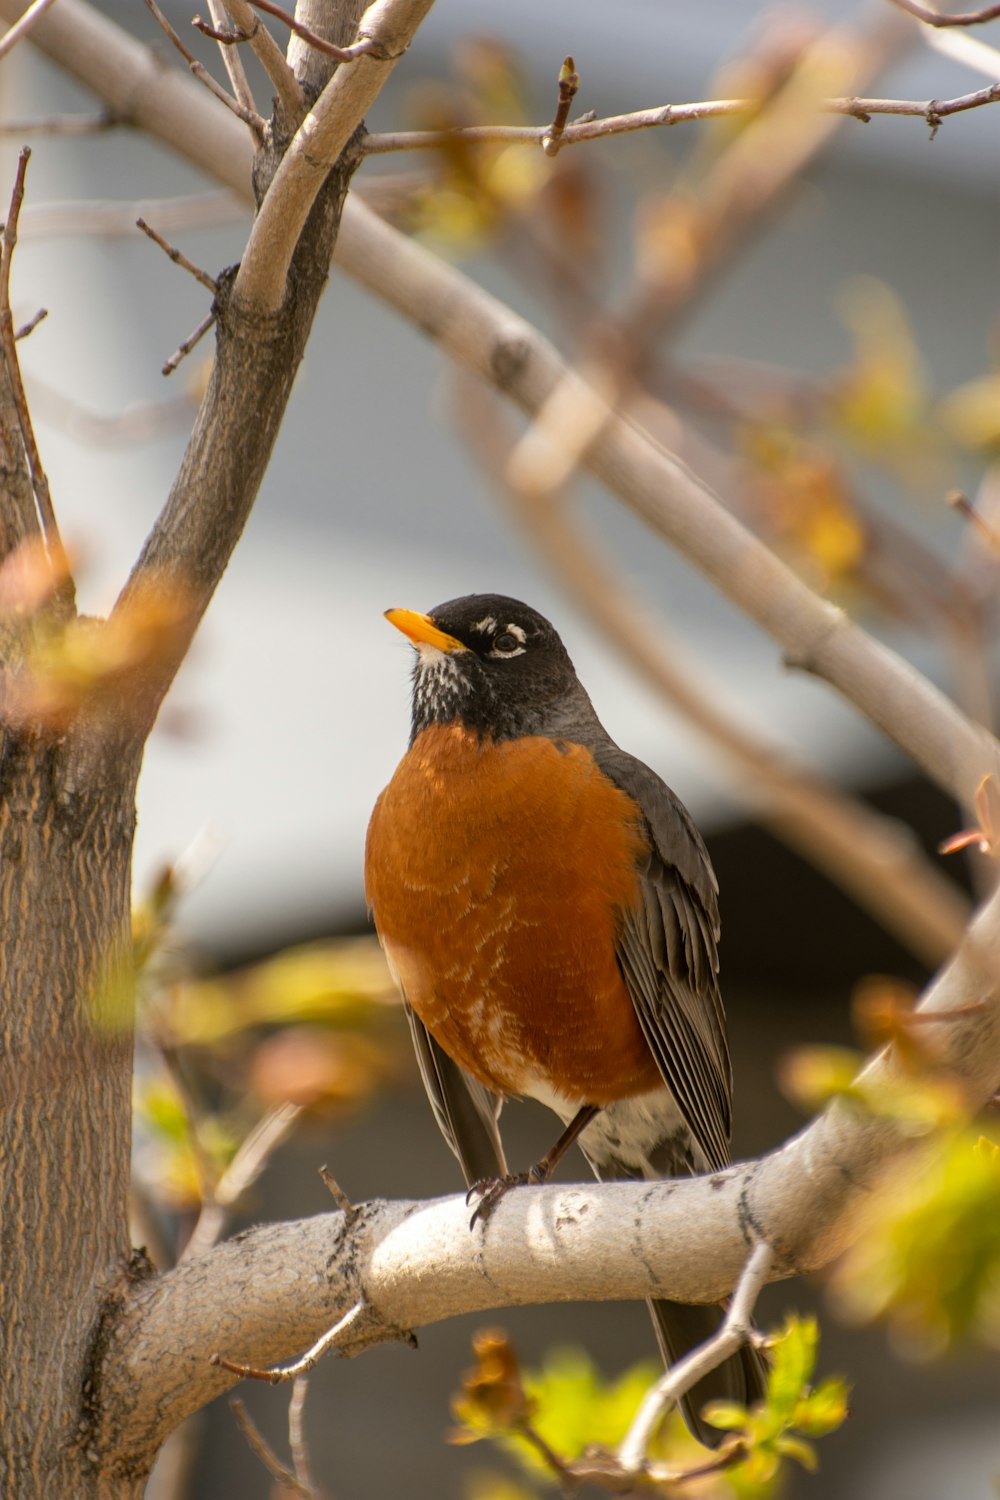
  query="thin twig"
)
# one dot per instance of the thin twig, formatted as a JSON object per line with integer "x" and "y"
{"x": 66, "y": 592}
{"x": 664, "y": 115}
{"x": 32, "y": 324}
{"x": 569, "y": 84}
{"x": 367, "y": 45}
{"x": 62, "y": 124}
{"x": 986, "y": 533}
{"x": 21, "y": 28}
{"x": 177, "y": 256}
{"x": 200, "y": 72}
{"x": 296, "y": 1433}
{"x": 184, "y": 349}
{"x": 301, "y": 1366}
{"x": 957, "y": 18}
{"x": 266, "y": 1453}
{"x": 337, "y": 1193}
{"x": 736, "y": 1330}
{"x": 235, "y": 71}
{"x": 250, "y": 1159}
{"x": 225, "y": 36}
{"x": 271, "y": 58}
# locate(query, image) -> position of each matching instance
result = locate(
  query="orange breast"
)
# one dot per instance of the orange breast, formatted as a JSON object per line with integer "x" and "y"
{"x": 496, "y": 873}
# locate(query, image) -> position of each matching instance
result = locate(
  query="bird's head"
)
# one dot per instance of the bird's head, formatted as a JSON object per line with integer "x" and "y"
{"x": 495, "y": 666}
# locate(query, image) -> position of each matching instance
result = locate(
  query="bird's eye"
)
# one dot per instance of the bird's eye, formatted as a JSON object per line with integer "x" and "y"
{"x": 505, "y": 642}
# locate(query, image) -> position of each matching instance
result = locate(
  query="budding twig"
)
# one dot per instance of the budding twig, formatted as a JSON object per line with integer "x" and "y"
{"x": 569, "y": 83}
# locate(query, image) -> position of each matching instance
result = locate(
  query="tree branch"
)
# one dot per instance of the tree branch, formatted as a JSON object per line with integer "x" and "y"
{"x": 387, "y": 26}
{"x": 869, "y": 856}
{"x": 662, "y": 116}
{"x": 482, "y": 334}
{"x": 275, "y": 1289}
{"x": 955, "y": 18}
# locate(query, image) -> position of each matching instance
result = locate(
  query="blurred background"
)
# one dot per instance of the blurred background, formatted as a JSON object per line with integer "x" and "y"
{"x": 824, "y": 356}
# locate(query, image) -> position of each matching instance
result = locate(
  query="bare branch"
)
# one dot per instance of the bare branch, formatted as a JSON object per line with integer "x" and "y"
{"x": 484, "y": 335}
{"x": 868, "y": 856}
{"x": 857, "y": 108}
{"x": 233, "y": 64}
{"x": 50, "y": 529}
{"x": 364, "y": 47}
{"x": 266, "y": 1453}
{"x": 940, "y": 18}
{"x": 61, "y": 125}
{"x": 388, "y": 25}
{"x": 178, "y": 258}
{"x": 22, "y": 26}
{"x": 297, "y": 1434}
{"x": 271, "y": 58}
{"x": 200, "y": 72}
{"x": 184, "y": 349}
{"x": 736, "y": 1330}
{"x": 331, "y": 1339}
{"x": 242, "y": 1172}
{"x": 115, "y": 216}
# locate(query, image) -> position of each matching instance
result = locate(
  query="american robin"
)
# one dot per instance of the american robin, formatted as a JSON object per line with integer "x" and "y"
{"x": 550, "y": 913}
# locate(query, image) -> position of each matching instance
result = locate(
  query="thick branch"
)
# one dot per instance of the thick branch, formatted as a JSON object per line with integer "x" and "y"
{"x": 275, "y": 1289}
{"x": 389, "y": 26}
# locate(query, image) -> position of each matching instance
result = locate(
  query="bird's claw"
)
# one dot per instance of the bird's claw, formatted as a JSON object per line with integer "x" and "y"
{"x": 490, "y": 1190}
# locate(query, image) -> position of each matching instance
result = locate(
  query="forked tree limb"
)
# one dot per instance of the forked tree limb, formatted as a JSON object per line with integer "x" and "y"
{"x": 273, "y": 1290}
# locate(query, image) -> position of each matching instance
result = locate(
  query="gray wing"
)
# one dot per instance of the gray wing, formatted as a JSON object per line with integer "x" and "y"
{"x": 466, "y": 1111}
{"x": 668, "y": 957}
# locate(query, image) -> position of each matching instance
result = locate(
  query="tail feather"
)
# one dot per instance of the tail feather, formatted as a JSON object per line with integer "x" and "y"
{"x": 681, "y": 1327}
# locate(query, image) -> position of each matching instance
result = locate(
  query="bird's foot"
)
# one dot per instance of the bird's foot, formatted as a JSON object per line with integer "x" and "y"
{"x": 489, "y": 1191}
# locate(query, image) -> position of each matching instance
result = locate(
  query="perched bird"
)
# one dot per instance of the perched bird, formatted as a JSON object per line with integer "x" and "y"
{"x": 550, "y": 914}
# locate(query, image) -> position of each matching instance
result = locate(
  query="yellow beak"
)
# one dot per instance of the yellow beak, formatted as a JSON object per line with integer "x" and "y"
{"x": 421, "y": 630}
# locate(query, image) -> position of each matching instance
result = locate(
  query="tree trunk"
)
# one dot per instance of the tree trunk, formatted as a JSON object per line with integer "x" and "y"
{"x": 65, "y": 1073}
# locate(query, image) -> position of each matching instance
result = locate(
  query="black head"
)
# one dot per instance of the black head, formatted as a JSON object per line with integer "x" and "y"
{"x": 493, "y": 665}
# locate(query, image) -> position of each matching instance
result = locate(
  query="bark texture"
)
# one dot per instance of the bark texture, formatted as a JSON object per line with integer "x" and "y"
{"x": 65, "y": 1096}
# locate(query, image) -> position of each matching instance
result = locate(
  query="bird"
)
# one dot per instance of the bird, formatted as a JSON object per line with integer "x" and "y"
{"x": 549, "y": 912}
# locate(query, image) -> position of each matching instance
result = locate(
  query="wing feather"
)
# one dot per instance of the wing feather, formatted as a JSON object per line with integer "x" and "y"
{"x": 668, "y": 956}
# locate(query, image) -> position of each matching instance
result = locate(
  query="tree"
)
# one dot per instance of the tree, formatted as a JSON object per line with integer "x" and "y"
{"x": 104, "y": 1356}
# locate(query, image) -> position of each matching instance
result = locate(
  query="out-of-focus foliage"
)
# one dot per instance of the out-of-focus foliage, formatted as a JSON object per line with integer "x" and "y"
{"x": 930, "y": 1261}
{"x": 564, "y": 1422}
{"x": 791, "y": 1414}
{"x": 225, "y": 1063}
